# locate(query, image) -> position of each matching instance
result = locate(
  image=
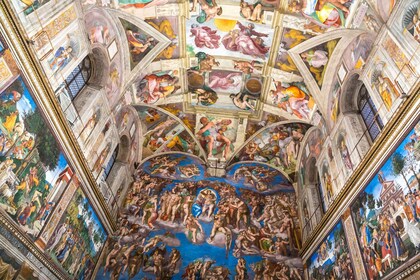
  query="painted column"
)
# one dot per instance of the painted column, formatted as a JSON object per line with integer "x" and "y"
{"x": 356, "y": 256}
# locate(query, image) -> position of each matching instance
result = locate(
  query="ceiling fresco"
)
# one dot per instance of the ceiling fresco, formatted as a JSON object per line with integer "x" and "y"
{"x": 238, "y": 60}
{"x": 277, "y": 145}
{"x": 223, "y": 95}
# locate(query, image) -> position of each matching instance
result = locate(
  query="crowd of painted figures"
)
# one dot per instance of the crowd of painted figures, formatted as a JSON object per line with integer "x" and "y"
{"x": 242, "y": 222}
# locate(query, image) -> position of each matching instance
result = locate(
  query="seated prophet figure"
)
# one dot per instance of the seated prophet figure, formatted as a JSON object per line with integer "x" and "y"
{"x": 327, "y": 13}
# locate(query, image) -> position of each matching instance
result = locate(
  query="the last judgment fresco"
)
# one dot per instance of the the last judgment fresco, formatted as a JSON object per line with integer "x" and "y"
{"x": 180, "y": 223}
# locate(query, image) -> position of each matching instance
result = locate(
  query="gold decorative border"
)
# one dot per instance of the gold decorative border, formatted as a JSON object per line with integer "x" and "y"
{"x": 7, "y": 223}
{"x": 409, "y": 271}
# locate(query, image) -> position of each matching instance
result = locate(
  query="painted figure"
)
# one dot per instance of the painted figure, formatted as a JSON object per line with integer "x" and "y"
{"x": 99, "y": 34}
{"x": 206, "y": 96}
{"x": 345, "y": 155}
{"x": 317, "y": 58}
{"x": 327, "y": 13}
{"x": 251, "y": 12}
{"x": 209, "y": 10}
{"x": 411, "y": 20}
{"x": 246, "y": 66}
{"x": 205, "y": 37}
{"x": 387, "y": 90}
{"x": 291, "y": 99}
{"x": 155, "y": 86}
{"x": 212, "y": 133}
{"x": 137, "y": 43}
{"x": 246, "y": 41}
{"x": 242, "y": 101}
{"x": 231, "y": 82}
{"x": 61, "y": 58}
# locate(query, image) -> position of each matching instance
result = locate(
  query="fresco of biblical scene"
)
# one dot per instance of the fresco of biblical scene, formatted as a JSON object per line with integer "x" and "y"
{"x": 316, "y": 59}
{"x": 216, "y": 135}
{"x": 99, "y": 29}
{"x": 234, "y": 228}
{"x": 156, "y": 86}
{"x": 385, "y": 213}
{"x": 139, "y": 42}
{"x": 165, "y": 133}
{"x": 175, "y": 166}
{"x": 255, "y": 10}
{"x": 32, "y": 165}
{"x": 150, "y": 117}
{"x": 224, "y": 89}
{"x": 332, "y": 259}
{"x": 266, "y": 119}
{"x": 29, "y": 6}
{"x": 169, "y": 27}
{"x": 78, "y": 239}
{"x": 290, "y": 39}
{"x": 277, "y": 145}
{"x": 258, "y": 177}
{"x": 325, "y": 14}
{"x": 411, "y": 20}
{"x": 293, "y": 98}
{"x": 222, "y": 37}
{"x": 177, "y": 110}
{"x": 357, "y": 52}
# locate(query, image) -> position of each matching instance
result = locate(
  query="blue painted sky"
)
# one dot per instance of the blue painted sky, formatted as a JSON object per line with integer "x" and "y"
{"x": 52, "y": 175}
{"x": 330, "y": 237}
{"x": 374, "y": 187}
{"x": 96, "y": 225}
{"x": 26, "y": 104}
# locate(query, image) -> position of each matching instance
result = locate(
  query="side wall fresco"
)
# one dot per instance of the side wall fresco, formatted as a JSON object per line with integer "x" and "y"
{"x": 382, "y": 224}
{"x": 389, "y": 73}
{"x": 35, "y": 178}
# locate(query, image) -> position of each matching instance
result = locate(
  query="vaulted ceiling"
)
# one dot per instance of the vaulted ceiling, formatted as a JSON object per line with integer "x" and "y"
{"x": 257, "y": 74}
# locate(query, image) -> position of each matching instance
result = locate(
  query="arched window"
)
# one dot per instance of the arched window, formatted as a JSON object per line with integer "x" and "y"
{"x": 79, "y": 77}
{"x": 110, "y": 163}
{"x": 369, "y": 113}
